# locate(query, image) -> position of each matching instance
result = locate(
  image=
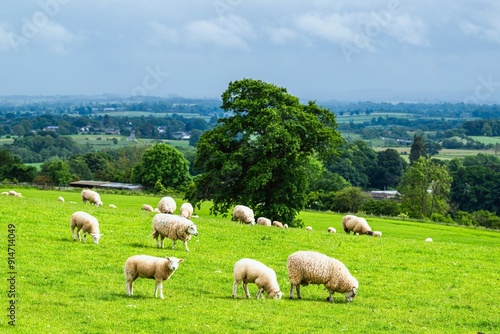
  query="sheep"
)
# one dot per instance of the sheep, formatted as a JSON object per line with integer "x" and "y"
{"x": 356, "y": 225}
{"x": 174, "y": 228}
{"x": 86, "y": 223}
{"x": 145, "y": 266}
{"x": 263, "y": 221}
{"x": 377, "y": 234}
{"x": 253, "y": 271}
{"x": 60, "y": 199}
{"x": 278, "y": 224}
{"x": 12, "y": 193}
{"x": 428, "y": 240}
{"x": 91, "y": 196}
{"x": 147, "y": 207}
{"x": 308, "y": 267}
{"x": 285, "y": 225}
{"x": 332, "y": 230}
{"x": 167, "y": 205}
{"x": 112, "y": 206}
{"x": 186, "y": 210}
{"x": 19, "y": 195}
{"x": 309, "y": 228}
{"x": 243, "y": 214}
{"x": 156, "y": 210}
{"x": 5, "y": 193}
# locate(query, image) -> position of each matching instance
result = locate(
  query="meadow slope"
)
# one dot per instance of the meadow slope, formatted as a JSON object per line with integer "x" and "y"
{"x": 406, "y": 285}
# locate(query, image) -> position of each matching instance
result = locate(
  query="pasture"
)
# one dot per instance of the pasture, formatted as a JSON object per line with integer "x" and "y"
{"x": 406, "y": 285}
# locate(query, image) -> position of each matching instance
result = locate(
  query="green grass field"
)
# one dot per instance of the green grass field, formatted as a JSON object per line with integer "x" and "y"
{"x": 100, "y": 142}
{"x": 406, "y": 285}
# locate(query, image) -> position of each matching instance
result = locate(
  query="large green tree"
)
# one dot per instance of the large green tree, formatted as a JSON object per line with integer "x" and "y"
{"x": 162, "y": 167}
{"x": 418, "y": 148}
{"x": 260, "y": 156}
{"x": 425, "y": 188}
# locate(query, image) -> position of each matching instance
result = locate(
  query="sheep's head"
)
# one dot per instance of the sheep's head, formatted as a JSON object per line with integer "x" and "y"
{"x": 278, "y": 295}
{"x": 192, "y": 229}
{"x": 349, "y": 296}
{"x": 173, "y": 262}
{"x": 96, "y": 237}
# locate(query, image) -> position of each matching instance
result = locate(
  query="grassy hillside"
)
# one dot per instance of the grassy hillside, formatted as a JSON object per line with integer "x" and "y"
{"x": 406, "y": 284}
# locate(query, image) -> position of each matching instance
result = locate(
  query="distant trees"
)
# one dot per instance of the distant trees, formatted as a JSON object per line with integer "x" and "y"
{"x": 12, "y": 168}
{"x": 418, "y": 148}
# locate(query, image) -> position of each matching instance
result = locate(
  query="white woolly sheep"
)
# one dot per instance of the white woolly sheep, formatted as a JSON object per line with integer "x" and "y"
{"x": 5, "y": 193}
{"x": 377, "y": 234}
{"x": 91, "y": 196}
{"x": 243, "y": 214}
{"x": 309, "y": 228}
{"x": 19, "y": 195}
{"x": 356, "y": 225}
{"x": 145, "y": 266}
{"x": 147, "y": 207}
{"x": 173, "y": 227}
{"x": 285, "y": 225}
{"x": 12, "y": 193}
{"x": 263, "y": 221}
{"x": 253, "y": 271}
{"x": 278, "y": 224}
{"x": 308, "y": 267}
{"x": 167, "y": 205}
{"x": 60, "y": 199}
{"x": 428, "y": 240}
{"x": 112, "y": 206}
{"x": 332, "y": 230}
{"x": 87, "y": 224}
{"x": 186, "y": 210}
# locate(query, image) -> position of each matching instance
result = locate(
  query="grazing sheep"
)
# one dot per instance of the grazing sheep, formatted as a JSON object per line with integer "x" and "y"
{"x": 377, "y": 234}
{"x": 147, "y": 207}
{"x": 308, "y": 267}
{"x": 263, "y": 221}
{"x": 285, "y": 225}
{"x": 174, "y": 228}
{"x": 91, "y": 196}
{"x": 356, "y": 225}
{"x": 428, "y": 240}
{"x": 243, "y": 214}
{"x": 252, "y": 271}
{"x": 86, "y": 223}
{"x": 60, "y": 199}
{"x": 112, "y": 206}
{"x": 18, "y": 195}
{"x": 186, "y": 210}
{"x": 167, "y": 205}
{"x": 145, "y": 266}
{"x": 12, "y": 193}
{"x": 5, "y": 193}
{"x": 278, "y": 224}
{"x": 309, "y": 228}
{"x": 332, "y": 230}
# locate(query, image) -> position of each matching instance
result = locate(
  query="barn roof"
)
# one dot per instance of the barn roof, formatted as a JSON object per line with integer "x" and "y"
{"x": 106, "y": 185}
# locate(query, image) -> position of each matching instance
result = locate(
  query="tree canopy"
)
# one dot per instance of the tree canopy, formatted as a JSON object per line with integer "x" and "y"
{"x": 260, "y": 156}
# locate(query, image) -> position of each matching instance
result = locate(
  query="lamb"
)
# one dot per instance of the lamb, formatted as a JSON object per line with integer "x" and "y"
{"x": 147, "y": 207}
{"x": 91, "y": 196}
{"x": 309, "y": 228}
{"x": 167, "y": 205}
{"x": 60, "y": 199}
{"x": 253, "y": 271}
{"x": 12, "y": 193}
{"x": 263, "y": 221}
{"x": 308, "y": 267}
{"x": 5, "y": 193}
{"x": 377, "y": 234}
{"x": 285, "y": 225}
{"x": 278, "y": 224}
{"x": 145, "y": 266}
{"x": 112, "y": 206}
{"x": 332, "y": 230}
{"x": 243, "y": 214}
{"x": 356, "y": 225}
{"x": 428, "y": 240}
{"x": 86, "y": 223}
{"x": 174, "y": 228}
{"x": 186, "y": 210}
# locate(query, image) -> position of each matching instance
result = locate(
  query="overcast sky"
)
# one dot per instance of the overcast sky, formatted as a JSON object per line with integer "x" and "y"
{"x": 390, "y": 50}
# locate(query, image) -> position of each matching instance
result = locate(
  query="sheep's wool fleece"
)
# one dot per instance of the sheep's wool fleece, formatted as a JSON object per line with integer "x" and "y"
{"x": 167, "y": 205}
{"x": 308, "y": 267}
{"x": 171, "y": 226}
{"x": 80, "y": 218}
{"x": 356, "y": 224}
{"x": 243, "y": 213}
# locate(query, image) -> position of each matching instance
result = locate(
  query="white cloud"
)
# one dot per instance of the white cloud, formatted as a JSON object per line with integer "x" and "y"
{"x": 161, "y": 33}
{"x": 408, "y": 30}
{"x": 334, "y": 28}
{"x": 488, "y": 27}
{"x": 4, "y": 37}
{"x": 281, "y": 35}
{"x": 228, "y": 31}
{"x": 57, "y": 38}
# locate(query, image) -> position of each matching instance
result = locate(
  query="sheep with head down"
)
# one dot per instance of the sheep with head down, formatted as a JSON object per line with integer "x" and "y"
{"x": 308, "y": 267}
{"x": 91, "y": 196}
{"x": 186, "y": 210}
{"x": 167, "y": 205}
{"x": 243, "y": 214}
{"x": 173, "y": 227}
{"x": 86, "y": 223}
{"x": 357, "y": 225}
{"x": 264, "y": 221}
{"x": 253, "y": 271}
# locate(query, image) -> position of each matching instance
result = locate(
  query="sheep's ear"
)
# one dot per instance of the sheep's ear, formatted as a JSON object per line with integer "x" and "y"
{"x": 181, "y": 260}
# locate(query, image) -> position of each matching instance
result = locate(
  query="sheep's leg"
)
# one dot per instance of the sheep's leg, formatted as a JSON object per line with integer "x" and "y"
{"x": 73, "y": 232}
{"x": 162, "y": 241}
{"x": 186, "y": 245}
{"x": 260, "y": 293}
{"x": 130, "y": 288}
{"x": 159, "y": 287}
{"x": 78, "y": 234}
{"x": 235, "y": 288}
{"x": 173, "y": 244}
{"x": 330, "y": 297}
{"x": 291, "y": 291}
{"x": 84, "y": 237}
{"x": 299, "y": 295}
{"x": 245, "y": 288}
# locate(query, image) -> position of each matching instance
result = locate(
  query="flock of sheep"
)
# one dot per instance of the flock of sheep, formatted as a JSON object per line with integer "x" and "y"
{"x": 304, "y": 267}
